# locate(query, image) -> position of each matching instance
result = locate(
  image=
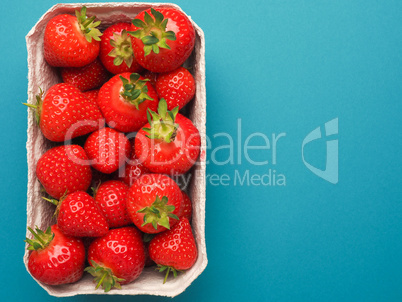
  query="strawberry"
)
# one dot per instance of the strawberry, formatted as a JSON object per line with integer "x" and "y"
{"x": 177, "y": 87}
{"x": 174, "y": 250}
{"x": 163, "y": 38}
{"x": 169, "y": 143}
{"x": 116, "y": 258}
{"x": 85, "y": 78}
{"x": 92, "y": 95}
{"x": 111, "y": 198}
{"x": 64, "y": 169}
{"x": 63, "y": 113}
{"x": 187, "y": 208}
{"x": 124, "y": 101}
{"x": 56, "y": 258}
{"x": 78, "y": 215}
{"x": 116, "y": 52}
{"x": 154, "y": 203}
{"x": 132, "y": 171}
{"x": 108, "y": 149}
{"x": 71, "y": 41}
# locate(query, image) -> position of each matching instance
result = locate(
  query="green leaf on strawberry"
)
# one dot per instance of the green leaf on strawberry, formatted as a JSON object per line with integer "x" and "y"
{"x": 135, "y": 90}
{"x": 162, "y": 124}
{"x": 158, "y": 213}
{"x": 103, "y": 277}
{"x": 153, "y": 32}
{"x": 41, "y": 239}
{"x": 122, "y": 50}
{"x": 87, "y": 25}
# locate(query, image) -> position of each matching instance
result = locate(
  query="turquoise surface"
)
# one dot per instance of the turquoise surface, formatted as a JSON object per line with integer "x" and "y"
{"x": 306, "y": 205}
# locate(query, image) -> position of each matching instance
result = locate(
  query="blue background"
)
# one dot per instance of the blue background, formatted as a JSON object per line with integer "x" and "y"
{"x": 282, "y": 67}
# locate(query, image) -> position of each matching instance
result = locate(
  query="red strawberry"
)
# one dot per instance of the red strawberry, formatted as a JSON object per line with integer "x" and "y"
{"x": 111, "y": 198}
{"x": 124, "y": 101}
{"x": 56, "y": 258}
{"x": 64, "y": 169}
{"x": 175, "y": 249}
{"x": 71, "y": 41}
{"x": 187, "y": 208}
{"x": 176, "y": 87}
{"x": 107, "y": 149}
{"x": 116, "y": 52}
{"x": 92, "y": 95}
{"x": 78, "y": 215}
{"x": 132, "y": 171}
{"x": 169, "y": 143}
{"x": 116, "y": 258}
{"x": 154, "y": 202}
{"x": 85, "y": 78}
{"x": 63, "y": 113}
{"x": 163, "y": 38}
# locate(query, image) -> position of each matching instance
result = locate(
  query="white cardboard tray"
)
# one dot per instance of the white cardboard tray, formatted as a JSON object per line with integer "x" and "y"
{"x": 39, "y": 212}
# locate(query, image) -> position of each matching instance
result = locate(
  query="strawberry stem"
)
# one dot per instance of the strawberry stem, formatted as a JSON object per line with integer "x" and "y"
{"x": 101, "y": 280}
{"x": 56, "y": 202}
{"x": 38, "y": 105}
{"x": 30, "y": 105}
{"x": 168, "y": 269}
{"x": 96, "y": 188}
{"x": 166, "y": 275}
{"x": 51, "y": 200}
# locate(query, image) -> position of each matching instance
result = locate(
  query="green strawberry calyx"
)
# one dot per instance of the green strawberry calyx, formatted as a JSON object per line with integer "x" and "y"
{"x": 88, "y": 25}
{"x": 135, "y": 91}
{"x": 162, "y": 124}
{"x": 122, "y": 50}
{"x": 158, "y": 213}
{"x": 41, "y": 239}
{"x": 103, "y": 276}
{"x": 152, "y": 32}
{"x": 168, "y": 269}
{"x": 37, "y": 107}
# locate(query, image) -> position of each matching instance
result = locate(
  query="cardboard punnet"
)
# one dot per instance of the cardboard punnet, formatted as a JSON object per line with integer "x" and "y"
{"x": 40, "y": 213}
